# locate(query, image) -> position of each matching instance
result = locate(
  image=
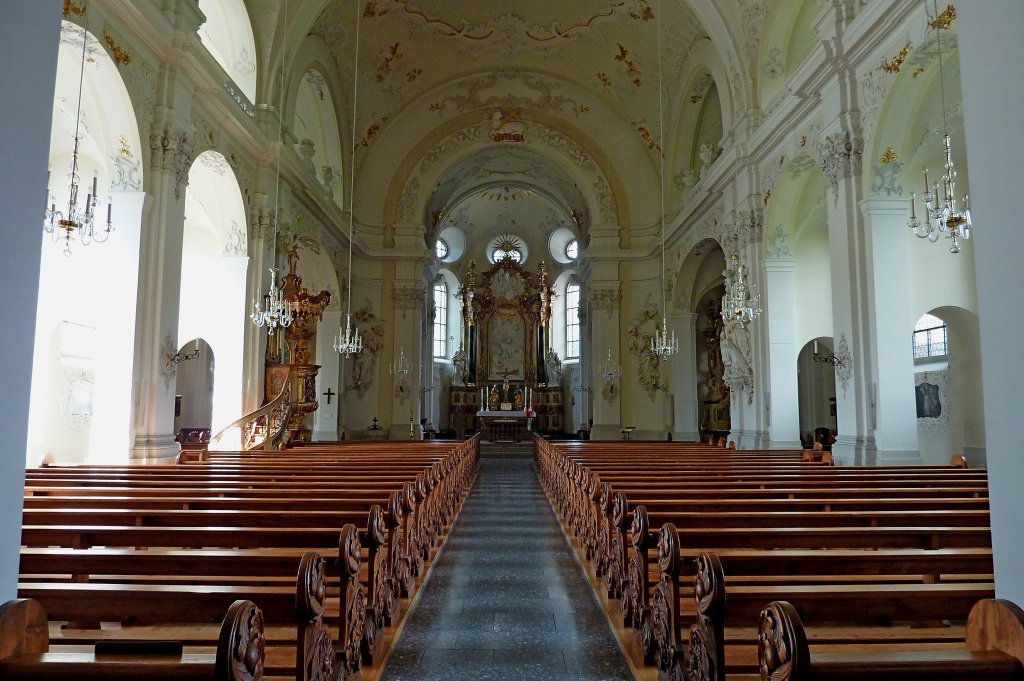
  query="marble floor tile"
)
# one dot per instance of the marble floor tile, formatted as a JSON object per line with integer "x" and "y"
{"x": 506, "y": 599}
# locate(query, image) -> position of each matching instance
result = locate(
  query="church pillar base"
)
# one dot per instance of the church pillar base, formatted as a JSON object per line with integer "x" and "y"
{"x": 750, "y": 439}
{"x": 854, "y": 451}
{"x": 155, "y": 449}
{"x": 599, "y": 432}
{"x": 891, "y": 457}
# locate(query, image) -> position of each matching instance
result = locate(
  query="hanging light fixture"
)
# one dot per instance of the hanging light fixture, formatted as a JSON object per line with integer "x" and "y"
{"x": 663, "y": 344}
{"x": 941, "y": 214}
{"x": 738, "y": 303}
{"x": 609, "y": 368}
{"x": 402, "y": 368}
{"x": 349, "y": 342}
{"x": 78, "y": 220}
{"x": 278, "y": 312}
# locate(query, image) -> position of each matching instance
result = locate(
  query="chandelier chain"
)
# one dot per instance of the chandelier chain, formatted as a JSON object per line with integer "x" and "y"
{"x": 348, "y": 341}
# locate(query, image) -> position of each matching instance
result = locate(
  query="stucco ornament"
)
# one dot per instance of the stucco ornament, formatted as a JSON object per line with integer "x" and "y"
{"x": 736, "y": 357}
{"x": 641, "y": 332}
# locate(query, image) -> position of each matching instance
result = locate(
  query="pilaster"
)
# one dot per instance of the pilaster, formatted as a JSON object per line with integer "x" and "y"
{"x": 780, "y": 314}
{"x": 893, "y": 409}
{"x": 840, "y": 152}
{"x": 29, "y": 34}
{"x": 325, "y": 418}
{"x": 156, "y": 330}
{"x": 683, "y": 378}
{"x": 408, "y": 298}
{"x": 605, "y": 299}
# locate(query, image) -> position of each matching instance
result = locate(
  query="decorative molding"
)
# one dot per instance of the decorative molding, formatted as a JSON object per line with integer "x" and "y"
{"x": 235, "y": 244}
{"x": 172, "y": 151}
{"x": 408, "y": 298}
{"x": 926, "y": 397}
{"x": 840, "y": 158}
{"x": 605, "y": 298}
{"x": 640, "y": 332}
{"x": 777, "y": 244}
{"x": 119, "y": 55}
{"x": 168, "y": 369}
{"x": 896, "y": 63}
{"x": 126, "y": 175}
{"x": 364, "y": 365}
{"x": 737, "y": 353}
{"x": 844, "y": 371}
{"x": 887, "y": 179}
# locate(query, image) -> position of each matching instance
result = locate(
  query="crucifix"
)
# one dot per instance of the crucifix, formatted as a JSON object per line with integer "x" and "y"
{"x": 329, "y": 394}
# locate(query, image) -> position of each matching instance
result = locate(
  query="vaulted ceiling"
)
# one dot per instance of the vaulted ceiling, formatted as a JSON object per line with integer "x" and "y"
{"x": 582, "y": 74}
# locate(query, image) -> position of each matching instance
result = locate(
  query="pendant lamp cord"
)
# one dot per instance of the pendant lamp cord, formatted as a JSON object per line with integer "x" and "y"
{"x": 280, "y": 134}
{"x": 352, "y": 158}
{"x": 661, "y": 167}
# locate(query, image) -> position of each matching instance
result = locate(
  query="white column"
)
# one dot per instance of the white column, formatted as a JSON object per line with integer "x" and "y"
{"x": 29, "y": 35}
{"x": 683, "y": 378}
{"x": 408, "y": 311}
{"x": 989, "y": 35}
{"x": 325, "y": 418}
{"x": 780, "y": 312}
{"x": 893, "y": 410}
{"x": 840, "y": 155}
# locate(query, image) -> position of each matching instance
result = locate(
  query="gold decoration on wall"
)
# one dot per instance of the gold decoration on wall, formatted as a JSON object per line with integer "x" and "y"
{"x": 767, "y": 197}
{"x": 72, "y": 8}
{"x": 917, "y": 72}
{"x": 894, "y": 64}
{"x": 696, "y": 98}
{"x": 652, "y": 143}
{"x": 125, "y": 151}
{"x": 888, "y": 156}
{"x": 605, "y": 80}
{"x": 944, "y": 20}
{"x": 121, "y": 57}
{"x": 387, "y": 62}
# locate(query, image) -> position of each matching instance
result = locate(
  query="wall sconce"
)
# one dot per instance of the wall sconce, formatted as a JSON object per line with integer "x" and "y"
{"x": 179, "y": 357}
{"x": 830, "y": 359}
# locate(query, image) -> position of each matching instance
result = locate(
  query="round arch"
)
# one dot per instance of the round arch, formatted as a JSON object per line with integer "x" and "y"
{"x": 227, "y": 35}
{"x": 80, "y": 403}
{"x": 214, "y": 264}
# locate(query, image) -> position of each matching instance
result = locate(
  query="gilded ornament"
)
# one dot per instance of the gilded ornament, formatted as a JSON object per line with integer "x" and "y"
{"x": 894, "y": 64}
{"x": 125, "y": 151}
{"x": 944, "y": 20}
{"x": 917, "y": 72}
{"x": 121, "y": 57}
{"x": 72, "y": 8}
{"x": 888, "y": 157}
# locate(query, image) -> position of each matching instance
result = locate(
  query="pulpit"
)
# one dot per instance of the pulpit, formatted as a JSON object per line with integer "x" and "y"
{"x": 291, "y": 350}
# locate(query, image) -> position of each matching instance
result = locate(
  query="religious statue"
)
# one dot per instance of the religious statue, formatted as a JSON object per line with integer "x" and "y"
{"x": 519, "y": 401}
{"x": 492, "y": 400}
{"x": 735, "y": 344}
{"x": 707, "y": 155}
{"x": 459, "y": 361}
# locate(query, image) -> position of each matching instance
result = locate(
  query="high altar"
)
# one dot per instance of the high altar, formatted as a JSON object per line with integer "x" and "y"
{"x": 506, "y": 313}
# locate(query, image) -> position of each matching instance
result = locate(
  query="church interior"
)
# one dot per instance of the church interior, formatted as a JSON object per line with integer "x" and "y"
{"x": 407, "y": 230}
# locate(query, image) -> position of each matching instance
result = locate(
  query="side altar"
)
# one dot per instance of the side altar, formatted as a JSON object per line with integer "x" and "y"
{"x": 502, "y": 367}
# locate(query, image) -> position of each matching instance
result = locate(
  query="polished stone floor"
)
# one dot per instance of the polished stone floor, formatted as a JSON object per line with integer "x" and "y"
{"x": 506, "y": 599}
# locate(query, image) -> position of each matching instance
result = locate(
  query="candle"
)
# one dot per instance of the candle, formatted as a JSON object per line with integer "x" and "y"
{"x": 94, "y": 185}
{"x": 913, "y": 202}
{"x": 109, "y": 206}
{"x": 926, "y": 182}
{"x": 815, "y": 347}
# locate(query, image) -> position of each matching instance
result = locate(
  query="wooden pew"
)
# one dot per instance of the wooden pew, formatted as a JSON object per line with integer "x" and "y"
{"x": 425, "y": 503}
{"x": 303, "y": 602}
{"x": 25, "y": 654}
{"x": 994, "y": 651}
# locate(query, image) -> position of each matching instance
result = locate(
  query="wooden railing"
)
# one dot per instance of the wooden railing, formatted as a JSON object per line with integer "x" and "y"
{"x": 266, "y": 428}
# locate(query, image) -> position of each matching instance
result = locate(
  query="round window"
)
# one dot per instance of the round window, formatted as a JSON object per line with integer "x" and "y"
{"x": 572, "y": 249}
{"x": 441, "y": 249}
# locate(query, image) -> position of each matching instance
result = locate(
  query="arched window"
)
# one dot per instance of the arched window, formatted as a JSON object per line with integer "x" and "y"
{"x": 441, "y": 249}
{"x": 441, "y": 319}
{"x": 572, "y": 320}
{"x": 930, "y": 337}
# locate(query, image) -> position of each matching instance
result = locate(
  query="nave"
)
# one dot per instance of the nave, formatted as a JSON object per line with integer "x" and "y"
{"x": 505, "y": 598}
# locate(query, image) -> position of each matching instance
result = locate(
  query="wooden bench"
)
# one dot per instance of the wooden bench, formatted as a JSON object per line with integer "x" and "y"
{"x": 994, "y": 651}
{"x": 25, "y": 654}
{"x": 830, "y": 536}
{"x": 225, "y": 506}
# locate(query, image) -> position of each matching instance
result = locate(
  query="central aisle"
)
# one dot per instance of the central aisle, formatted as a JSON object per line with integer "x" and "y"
{"x": 506, "y": 599}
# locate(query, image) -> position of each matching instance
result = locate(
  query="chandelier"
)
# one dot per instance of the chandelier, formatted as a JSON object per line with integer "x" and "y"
{"x": 78, "y": 220}
{"x": 608, "y": 367}
{"x": 941, "y": 213}
{"x": 278, "y": 312}
{"x": 349, "y": 342}
{"x": 402, "y": 368}
{"x": 738, "y": 304}
{"x": 663, "y": 344}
